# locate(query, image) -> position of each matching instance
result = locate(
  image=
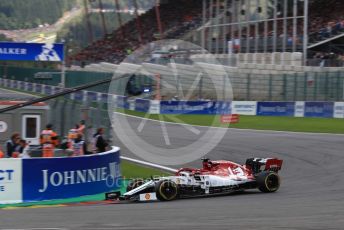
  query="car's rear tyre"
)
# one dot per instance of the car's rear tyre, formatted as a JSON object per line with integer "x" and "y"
{"x": 166, "y": 190}
{"x": 134, "y": 184}
{"x": 268, "y": 181}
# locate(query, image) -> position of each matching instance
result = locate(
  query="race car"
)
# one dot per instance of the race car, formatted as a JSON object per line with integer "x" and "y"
{"x": 214, "y": 178}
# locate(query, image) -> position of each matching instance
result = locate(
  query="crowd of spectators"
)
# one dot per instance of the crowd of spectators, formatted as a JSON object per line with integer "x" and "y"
{"x": 180, "y": 16}
{"x": 326, "y": 19}
{"x": 325, "y": 59}
{"x": 74, "y": 144}
{"x": 177, "y": 17}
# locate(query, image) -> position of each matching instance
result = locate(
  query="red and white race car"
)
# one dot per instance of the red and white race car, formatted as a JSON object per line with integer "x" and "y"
{"x": 214, "y": 178}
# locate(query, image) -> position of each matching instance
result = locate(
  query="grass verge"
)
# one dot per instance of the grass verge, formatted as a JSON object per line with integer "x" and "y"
{"x": 294, "y": 124}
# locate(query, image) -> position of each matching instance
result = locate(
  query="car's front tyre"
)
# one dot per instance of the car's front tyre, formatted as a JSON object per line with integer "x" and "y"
{"x": 166, "y": 190}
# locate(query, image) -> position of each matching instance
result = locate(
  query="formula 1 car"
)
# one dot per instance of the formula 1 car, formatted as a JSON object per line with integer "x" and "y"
{"x": 215, "y": 178}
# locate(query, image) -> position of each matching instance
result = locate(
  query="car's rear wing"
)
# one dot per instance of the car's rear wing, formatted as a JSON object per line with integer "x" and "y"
{"x": 264, "y": 164}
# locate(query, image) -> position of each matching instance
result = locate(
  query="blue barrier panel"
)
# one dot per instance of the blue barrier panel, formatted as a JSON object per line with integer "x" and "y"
{"x": 79, "y": 95}
{"x": 47, "y": 90}
{"x": 319, "y": 109}
{"x": 195, "y": 107}
{"x": 104, "y": 98}
{"x": 142, "y": 105}
{"x": 92, "y": 96}
{"x": 22, "y": 85}
{"x": 59, "y": 178}
{"x": 275, "y": 108}
{"x": 38, "y": 88}
{"x": 122, "y": 102}
{"x": 16, "y": 51}
{"x": 15, "y": 84}
{"x": 29, "y": 87}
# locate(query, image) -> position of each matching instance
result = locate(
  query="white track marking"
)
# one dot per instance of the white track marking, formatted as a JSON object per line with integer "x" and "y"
{"x": 143, "y": 122}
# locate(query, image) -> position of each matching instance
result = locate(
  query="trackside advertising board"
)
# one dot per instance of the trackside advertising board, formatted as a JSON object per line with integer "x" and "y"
{"x": 338, "y": 110}
{"x": 142, "y": 105}
{"x": 195, "y": 107}
{"x": 244, "y": 107}
{"x": 276, "y": 109}
{"x": 13, "y": 51}
{"x": 319, "y": 109}
{"x": 10, "y": 181}
{"x": 36, "y": 179}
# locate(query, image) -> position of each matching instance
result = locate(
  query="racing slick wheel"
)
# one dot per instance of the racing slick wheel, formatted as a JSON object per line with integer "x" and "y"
{"x": 134, "y": 184}
{"x": 166, "y": 190}
{"x": 268, "y": 181}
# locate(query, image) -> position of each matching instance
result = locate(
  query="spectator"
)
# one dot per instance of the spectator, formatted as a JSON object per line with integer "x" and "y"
{"x": 23, "y": 149}
{"x": 2, "y": 155}
{"x": 12, "y": 144}
{"x": 82, "y": 127}
{"x": 99, "y": 142}
{"x": 49, "y": 140}
{"x": 79, "y": 146}
{"x": 72, "y": 135}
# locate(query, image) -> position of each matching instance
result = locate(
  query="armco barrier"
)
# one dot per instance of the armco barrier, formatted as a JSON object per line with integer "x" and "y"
{"x": 36, "y": 179}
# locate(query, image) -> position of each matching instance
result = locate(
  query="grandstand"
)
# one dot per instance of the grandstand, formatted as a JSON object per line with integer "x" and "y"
{"x": 260, "y": 44}
{"x": 252, "y": 26}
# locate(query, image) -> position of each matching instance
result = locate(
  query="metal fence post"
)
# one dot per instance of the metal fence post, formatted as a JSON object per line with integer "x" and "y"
{"x": 338, "y": 86}
{"x": 270, "y": 87}
{"x": 284, "y": 87}
{"x": 315, "y": 95}
{"x": 248, "y": 87}
{"x": 295, "y": 86}
{"x": 305, "y": 85}
{"x": 326, "y": 86}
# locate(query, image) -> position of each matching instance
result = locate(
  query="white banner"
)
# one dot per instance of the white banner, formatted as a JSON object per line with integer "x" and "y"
{"x": 154, "y": 107}
{"x": 10, "y": 181}
{"x": 244, "y": 107}
{"x": 338, "y": 110}
{"x": 230, "y": 47}
{"x": 299, "y": 109}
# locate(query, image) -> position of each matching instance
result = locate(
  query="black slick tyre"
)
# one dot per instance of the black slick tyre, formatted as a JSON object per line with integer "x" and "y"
{"x": 166, "y": 190}
{"x": 268, "y": 181}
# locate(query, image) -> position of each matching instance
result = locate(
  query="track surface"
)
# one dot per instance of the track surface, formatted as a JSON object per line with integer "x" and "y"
{"x": 12, "y": 95}
{"x": 311, "y": 195}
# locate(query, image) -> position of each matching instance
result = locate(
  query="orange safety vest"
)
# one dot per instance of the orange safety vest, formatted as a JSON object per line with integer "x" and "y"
{"x": 72, "y": 134}
{"x": 48, "y": 137}
{"x": 48, "y": 150}
{"x": 2, "y": 155}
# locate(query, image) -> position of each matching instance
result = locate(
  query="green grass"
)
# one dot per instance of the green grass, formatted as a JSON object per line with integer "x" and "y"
{"x": 131, "y": 170}
{"x": 294, "y": 124}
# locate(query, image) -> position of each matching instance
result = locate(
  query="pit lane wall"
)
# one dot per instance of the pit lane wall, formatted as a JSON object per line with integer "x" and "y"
{"x": 37, "y": 179}
{"x": 254, "y": 108}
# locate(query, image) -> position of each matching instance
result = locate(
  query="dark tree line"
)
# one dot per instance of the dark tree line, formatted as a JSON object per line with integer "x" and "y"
{"x": 19, "y": 14}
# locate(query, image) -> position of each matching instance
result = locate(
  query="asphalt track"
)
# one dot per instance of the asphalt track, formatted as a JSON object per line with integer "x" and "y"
{"x": 311, "y": 195}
